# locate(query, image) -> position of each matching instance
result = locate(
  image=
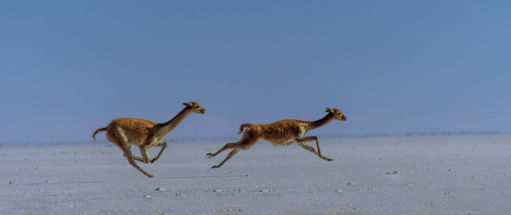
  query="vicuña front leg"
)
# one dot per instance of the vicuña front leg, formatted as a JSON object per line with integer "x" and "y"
{"x": 135, "y": 157}
{"x": 303, "y": 143}
{"x": 145, "y": 156}
{"x": 163, "y": 146}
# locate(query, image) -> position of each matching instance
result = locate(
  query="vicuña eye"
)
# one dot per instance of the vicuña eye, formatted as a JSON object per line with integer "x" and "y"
{"x": 197, "y": 107}
{"x": 339, "y": 114}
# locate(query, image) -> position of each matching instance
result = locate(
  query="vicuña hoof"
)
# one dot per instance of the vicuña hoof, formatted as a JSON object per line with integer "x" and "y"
{"x": 328, "y": 159}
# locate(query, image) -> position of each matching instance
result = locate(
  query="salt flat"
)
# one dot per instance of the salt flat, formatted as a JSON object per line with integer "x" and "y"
{"x": 451, "y": 175}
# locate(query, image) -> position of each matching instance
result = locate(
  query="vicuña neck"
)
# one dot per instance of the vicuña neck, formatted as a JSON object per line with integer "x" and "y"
{"x": 323, "y": 121}
{"x": 167, "y": 127}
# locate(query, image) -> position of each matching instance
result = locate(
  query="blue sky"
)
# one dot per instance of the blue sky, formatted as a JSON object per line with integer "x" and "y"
{"x": 70, "y": 67}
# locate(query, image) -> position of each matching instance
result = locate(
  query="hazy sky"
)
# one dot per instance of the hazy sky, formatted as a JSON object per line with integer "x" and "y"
{"x": 70, "y": 67}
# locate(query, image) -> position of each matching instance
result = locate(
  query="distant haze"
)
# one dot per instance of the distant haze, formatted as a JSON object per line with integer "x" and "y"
{"x": 70, "y": 67}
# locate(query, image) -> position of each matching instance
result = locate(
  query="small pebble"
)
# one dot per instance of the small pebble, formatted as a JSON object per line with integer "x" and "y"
{"x": 147, "y": 196}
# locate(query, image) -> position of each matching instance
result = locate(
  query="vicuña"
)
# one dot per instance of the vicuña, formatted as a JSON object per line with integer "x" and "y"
{"x": 281, "y": 133}
{"x": 145, "y": 134}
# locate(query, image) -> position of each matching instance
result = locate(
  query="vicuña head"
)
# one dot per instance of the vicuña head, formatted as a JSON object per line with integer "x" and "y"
{"x": 125, "y": 132}
{"x": 196, "y": 108}
{"x": 338, "y": 115}
{"x": 284, "y": 132}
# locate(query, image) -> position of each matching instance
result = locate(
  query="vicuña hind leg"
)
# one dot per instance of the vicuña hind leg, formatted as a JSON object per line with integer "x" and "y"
{"x": 119, "y": 139}
{"x": 303, "y": 143}
{"x": 131, "y": 160}
{"x": 126, "y": 148}
{"x": 232, "y": 153}
{"x": 226, "y": 146}
{"x": 243, "y": 144}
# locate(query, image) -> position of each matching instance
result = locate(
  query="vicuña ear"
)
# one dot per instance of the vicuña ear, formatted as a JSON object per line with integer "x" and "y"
{"x": 187, "y": 104}
{"x": 329, "y": 110}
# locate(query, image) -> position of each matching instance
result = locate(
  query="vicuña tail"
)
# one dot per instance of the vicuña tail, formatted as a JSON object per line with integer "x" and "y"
{"x": 97, "y": 131}
{"x": 243, "y": 127}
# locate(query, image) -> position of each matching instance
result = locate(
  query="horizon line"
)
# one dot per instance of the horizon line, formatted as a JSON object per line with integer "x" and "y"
{"x": 321, "y": 136}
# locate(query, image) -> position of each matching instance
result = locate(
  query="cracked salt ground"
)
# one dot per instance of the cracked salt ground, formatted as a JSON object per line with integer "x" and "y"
{"x": 283, "y": 180}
